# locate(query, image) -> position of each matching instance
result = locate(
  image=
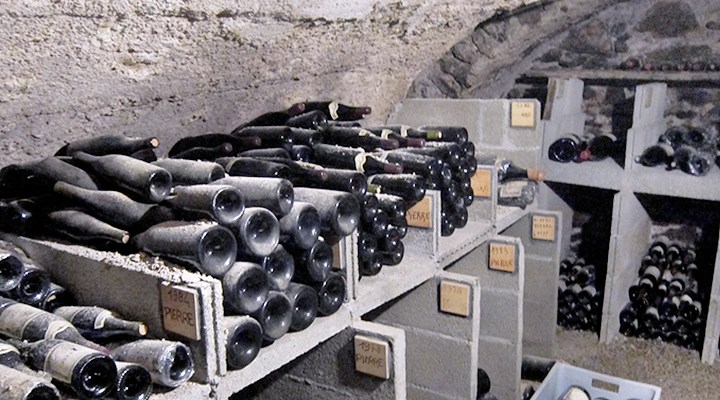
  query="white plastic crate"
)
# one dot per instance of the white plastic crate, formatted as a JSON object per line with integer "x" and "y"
{"x": 599, "y": 386}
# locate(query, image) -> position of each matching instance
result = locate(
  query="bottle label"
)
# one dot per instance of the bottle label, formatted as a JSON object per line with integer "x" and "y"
{"x": 360, "y": 159}
{"x": 55, "y": 328}
{"x": 16, "y": 317}
{"x": 385, "y": 133}
{"x": 512, "y": 189}
{"x": 6, "y": 348}
{"x": 403, "y": 130}
{"x": 364, "y": 132}
{"x": 333, "y": 108}
{"x": 101, "y": 318}
{"x": 62, "y": 359}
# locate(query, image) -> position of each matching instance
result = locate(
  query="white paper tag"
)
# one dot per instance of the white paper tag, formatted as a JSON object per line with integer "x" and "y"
{"x": 512, "y": 189}
{"x": 333, "y": 108}
{"x": 62, "y": 359}
{"x": 6, "y": 348}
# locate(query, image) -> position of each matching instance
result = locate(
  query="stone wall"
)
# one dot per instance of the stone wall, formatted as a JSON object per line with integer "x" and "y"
{"x": 75, "y": 68}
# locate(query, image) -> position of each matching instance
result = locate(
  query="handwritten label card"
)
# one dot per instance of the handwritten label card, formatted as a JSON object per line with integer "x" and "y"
{"x": 180, "y": 310}
{"x": 502, "y": 257}
{"x": 480, "y": 183}
{"x": 371, "y": 356}
{"x": 543, "y": 227}
{"x": 455, "y": 298}
{"x": 420, "y": 215}
{"x": 522, "y": 114}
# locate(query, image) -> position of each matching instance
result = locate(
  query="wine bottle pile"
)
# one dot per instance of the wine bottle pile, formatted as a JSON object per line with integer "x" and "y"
{"x": 665, "y": 301}
{"x": 579, "y": 300}
{"x": 689, "y": 149}
{"x": 572, "y": 147}
{"x": 518, "y": 187}
{"x": 637, "y": 63}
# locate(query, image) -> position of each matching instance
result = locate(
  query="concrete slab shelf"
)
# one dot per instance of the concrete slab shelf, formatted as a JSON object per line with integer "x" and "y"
{"x": 605, "y": 174}
{"x": 462, "y": 241}
{"x": 508, "y": 215}
{"x": 656, "y": 180}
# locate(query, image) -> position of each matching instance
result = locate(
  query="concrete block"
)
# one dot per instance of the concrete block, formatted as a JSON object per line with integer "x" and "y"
{"x": 502, "y": 360}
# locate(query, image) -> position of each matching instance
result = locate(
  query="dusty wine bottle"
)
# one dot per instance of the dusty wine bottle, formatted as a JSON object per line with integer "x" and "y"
{"x": 14, "y": 218}
{"x": 270, "y": 152}
{"x": 403, "y": 141}
{"x": 410, "y": 187}
{"x": 10, "y": 357}
{"x": 344, "y": 180}
{"x": 152, "y": 183}
{"x": 313, "y": 264}
{"x": 29, "y": 180}
{"x": 301, "y": 225}
{"x": 99, "y": 323}
{"x": 147, "y": 155}
{"x": 169, "y": 363}
{"x": 114, "y": 207}
{"x": 457, "y": 134}
{"x": 34, "y": 284}
{"x": 274, "y": 194}
{"x": 189, "y": 172}
{"x": 367, "y": 246}
{"x": 83, "y": 228}
{"x": 252, "y": 167}
{"x": 11, "y": 269}
{"x": 307, "y": 120}
{"x": 56, "y": 296}
{"x": 566, "y": 149}
{"x": 133, "y": 382}
{"x": 214, "y": 140}
{"x": 306, "y": 137}
{"x": 224, "y": 203}
{"x": 206, "y": 153}
{"x": 108, "y": 144}
{"x": 356, "y": 137}
{"x": 508, "y": 171}
{"x": 339, "y": 211}
{"x": 275, "y": 316}
{"x": 207, "y": 247}
{"x": 271, "y": 136}
{"x": 243, "y": 340}
{"x": 257, "y": 232}
{"x": 371, "y": 267}
{"x": 331, "y": 294}
{"x": 336, "y": 111}
{"x": 301, "y": 153}
{"x": 245, "y": 287}
{"x": 658, "y": 154}
{"x": 16, "y": 385}
{"x": 279, "y": 265}
{"x": 351, "y": 158}
{"x": 304, "y": 303}
{"x": 429, "y": 167}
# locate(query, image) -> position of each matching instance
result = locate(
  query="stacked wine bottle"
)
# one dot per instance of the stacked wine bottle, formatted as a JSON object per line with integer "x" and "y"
{"x": 67, "y": 346}
{"x": 580, "y": 148}
{"x": 517, "y": 187}
{"x": 689, "y": 149}
{"x": 638, "y": 63}
{"x": 665, "y": 300}
{"x": 579, "y": 300}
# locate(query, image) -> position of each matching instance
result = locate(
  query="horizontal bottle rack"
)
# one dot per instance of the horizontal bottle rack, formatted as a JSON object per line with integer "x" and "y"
{"x": 453, "y": 305}
{"x": 641, "y": 199}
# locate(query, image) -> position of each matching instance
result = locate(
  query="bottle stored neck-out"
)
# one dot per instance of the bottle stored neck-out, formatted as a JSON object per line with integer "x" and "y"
{"x": 170, "y": 363}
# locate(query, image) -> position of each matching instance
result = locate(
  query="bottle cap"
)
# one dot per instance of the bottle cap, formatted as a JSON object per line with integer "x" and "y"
{"x": 536, "y": 174}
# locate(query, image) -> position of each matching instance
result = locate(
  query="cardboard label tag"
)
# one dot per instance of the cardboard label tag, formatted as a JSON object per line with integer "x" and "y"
{"x": 502, "y": 257}
{"x": 543, "y": 227}
{"x": 371, "y": 356}
{"x": 180, "y": 310}
{"x": 455, "y": 298}
{"x": 522, "y": 114}
{"x": 420, "y": 215}
{"x": 337, "y": 255}
{"x": 481, "y": 183}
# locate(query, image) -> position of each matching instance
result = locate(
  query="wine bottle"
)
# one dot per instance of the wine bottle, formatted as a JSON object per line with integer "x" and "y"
{"x": 10, "y": 358}
{"x": 34, "y": 179}
{"x": 371, "y": 267}
{"x": 224, "y": 203}
{"x": 356, "y": 137}
{"x": 189, "y": 172}
{"x": 410, "y": 187}
{"x": 394, "y": 206}
{"x": 257, "y": 232}
{"x": 697, "y": 137}
{"x": 15, "y": 385}
{"x": 449, "y": 152}
{"x": 566, "y": 149}
{"x": 447, "y": 224}
{"x": 133, "y": 382}
{"x": 339, "y": 211}
{"x": 206, "y": 153}
{"x": 367, "y": 246}
{"x": 344, "y": 180}
{"x": 336, "y": 111}
{"x": 300, "y": 171}
{"x": 369, "y": 206}
{"x": 276, "y": 195}
{"x": 56, "y": 296}
{"x": 600, "y": 147}
{"x": 351, "y": 158}
{"x": 25, "y": 322}
{"x": 429, "y": 167}
{"x": 209, "y": 248}
{"x": 313, "y": 264}
{"x": 14, "y": 218}
{"x": 508, "y": 171}
{"x": 301, "y": 225}
{"x": 243, "y": 340}
{"x": 245, "y": 286}
{"x": 275, "y": 316}
{"x": 457, "y": 134}
{"x": 658, "y": 154}
{"x": 114, "y": 207}
{"x": 271, "y": 136}
{"x": 147, "y": 155}
{"x": 517, "y": 193}
{"x": 270, "y": 152}
{"x": 152, "y": 183}
{"x": 575, "y": 393}
{"x": 400, "y": 224}
{"x": 394, "y": 256}
{"x": 108, "y": 144}
{"x": 279, "y": 265}
{"x": 304, "y": 303}
{"x": 415, "y": 133}
{"x": 169, "y": 363}
{"x": 331, "y": 293}
{"x": 307, "y": 120}
{"x": 213, "y": 140}
{"x": 11, "y": 269}
{"x": 251, "y": 167}
{"x": 84, "y": 228}
{"x": 658, "y": 248}
{"x": 483, "y": 383}
{"x": 98, "y": 323}
{"x": 403, "y": 141}
{"x": 54, "y": 170}
{"x": 691, "y": 161}
{"x": 305, "y": 137}
{"x": 378, "y": 225}
{"x": 34, "y": 284}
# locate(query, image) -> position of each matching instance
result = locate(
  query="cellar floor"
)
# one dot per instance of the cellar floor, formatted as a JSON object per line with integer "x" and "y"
{"x": 676, "y": 370}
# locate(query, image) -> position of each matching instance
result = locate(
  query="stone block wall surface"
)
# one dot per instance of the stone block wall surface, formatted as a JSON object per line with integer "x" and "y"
{"x": 72, "y": 69}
